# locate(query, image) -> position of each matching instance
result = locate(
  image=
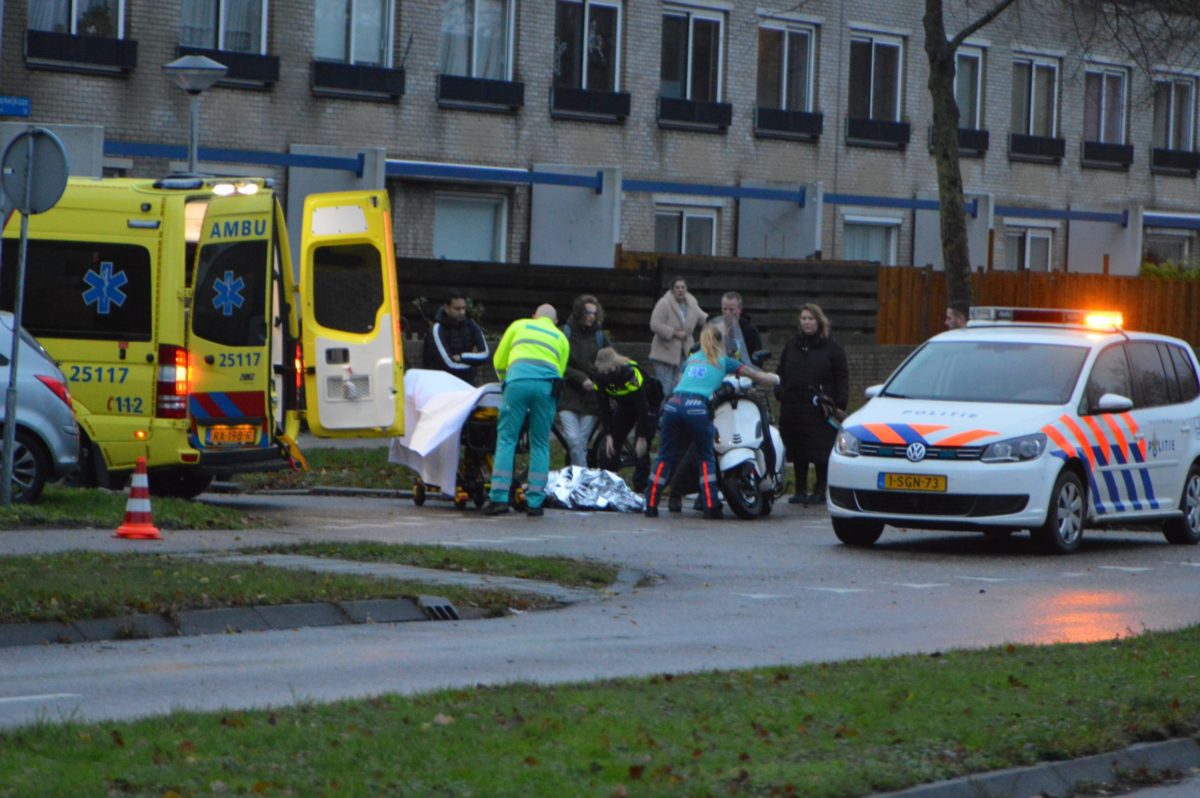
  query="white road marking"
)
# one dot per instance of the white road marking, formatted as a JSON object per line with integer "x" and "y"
{"x": 1072, "y": 574}
{"x": 521, "y": 540}
{"x": 838, "y": 589}
{"x": 1192, "y": 564}
{"x": 984, "y": 578}
{"x": 762, "y": 596}
{"x": 455, "y": 543}
{"x": 44, "y": 697}
{"x": 919, "y": 585}
{"x": 1124, "y": 568}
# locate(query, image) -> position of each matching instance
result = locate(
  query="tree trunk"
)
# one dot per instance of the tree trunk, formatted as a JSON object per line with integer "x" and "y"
{"x": 955, "y": 257}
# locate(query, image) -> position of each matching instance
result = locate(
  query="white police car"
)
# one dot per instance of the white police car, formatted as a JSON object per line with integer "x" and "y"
{"x": 1046, "y": 420}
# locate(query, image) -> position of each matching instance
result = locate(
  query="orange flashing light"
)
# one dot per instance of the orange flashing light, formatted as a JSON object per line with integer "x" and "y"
{"x": 1104, "y": 319}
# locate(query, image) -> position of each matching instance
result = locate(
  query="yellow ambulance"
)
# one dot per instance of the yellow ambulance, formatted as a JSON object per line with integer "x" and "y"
{"x": 176, "y": 315}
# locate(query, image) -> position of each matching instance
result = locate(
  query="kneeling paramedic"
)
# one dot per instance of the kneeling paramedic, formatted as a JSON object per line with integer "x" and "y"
{"x": 686, "y": 417}
{"x": 530, "y": 360}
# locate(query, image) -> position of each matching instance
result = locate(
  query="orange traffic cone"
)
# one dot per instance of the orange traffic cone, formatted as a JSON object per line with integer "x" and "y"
{"x": 139, "y": 525}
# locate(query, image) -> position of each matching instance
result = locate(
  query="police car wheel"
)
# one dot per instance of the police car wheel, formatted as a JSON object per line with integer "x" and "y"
{"x": 1185, "y": 530}
{"x": 857, "y": 531}
{"x": 1062, "y": 531}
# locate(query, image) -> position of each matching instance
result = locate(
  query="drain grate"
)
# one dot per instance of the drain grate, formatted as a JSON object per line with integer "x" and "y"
{"x": 437, "y": 608}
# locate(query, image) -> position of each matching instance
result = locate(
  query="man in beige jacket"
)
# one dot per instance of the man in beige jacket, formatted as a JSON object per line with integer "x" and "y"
{"x": 674, "y": 321}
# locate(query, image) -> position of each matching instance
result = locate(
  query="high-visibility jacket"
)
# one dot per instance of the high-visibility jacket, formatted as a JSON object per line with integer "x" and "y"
{"x": 531, "y": 348}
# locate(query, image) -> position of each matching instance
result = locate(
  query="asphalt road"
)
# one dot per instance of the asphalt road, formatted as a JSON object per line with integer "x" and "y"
{"x": 726, "y": 594}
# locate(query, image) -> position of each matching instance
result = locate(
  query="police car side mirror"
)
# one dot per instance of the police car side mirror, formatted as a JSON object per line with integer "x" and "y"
{"x": 1114, "y": 403}
{"x": 873, "y": 391}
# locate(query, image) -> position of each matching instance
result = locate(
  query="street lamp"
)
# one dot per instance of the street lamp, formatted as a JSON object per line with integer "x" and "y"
{"x": 194, "y": 74}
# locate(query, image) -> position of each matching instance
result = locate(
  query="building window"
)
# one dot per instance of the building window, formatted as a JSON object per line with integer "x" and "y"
{"x": 354, "y": 31}
{"x": 872, "y": 240}
{"x": 875, "y": 79}
{"x": 1027, "y": 250}
{"x": 234, "y": 25}
{"x": 1104, "y": 105}
{"x": 103, "y": 18}
{"x": 968, "y": 87}
{"x": 477, "y": 38}
{"x": 469, "y": 227}
{"x": 687, "y": 231}
{"x": 1035, "y": 96}
{"x": 587, "y": 45}
{"x": 785, "y": 73}
{"x": 1174, "y": 113}
{"x": 691, "y": 55}
{"x": 1163, "y": 246}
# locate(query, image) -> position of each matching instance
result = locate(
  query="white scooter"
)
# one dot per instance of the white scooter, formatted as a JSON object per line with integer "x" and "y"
{"x": 747, "y": 487}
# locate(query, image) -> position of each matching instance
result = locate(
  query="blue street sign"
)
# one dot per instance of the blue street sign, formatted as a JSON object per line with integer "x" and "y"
{"x": 12, "y": 105}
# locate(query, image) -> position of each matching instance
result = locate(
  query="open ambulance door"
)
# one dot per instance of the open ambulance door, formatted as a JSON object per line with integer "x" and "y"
{"x": 224, "y": 374}
{"x": 353, "y": 358}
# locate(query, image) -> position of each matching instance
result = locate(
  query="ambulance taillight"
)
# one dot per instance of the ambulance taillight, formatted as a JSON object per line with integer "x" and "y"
{"x": 172, "y": 382}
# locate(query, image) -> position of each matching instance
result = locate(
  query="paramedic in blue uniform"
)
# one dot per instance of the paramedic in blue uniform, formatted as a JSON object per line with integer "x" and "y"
{"x": 685, "y": 418}
{"x": 530, "y": 360}
{"x": 455, "y": 343}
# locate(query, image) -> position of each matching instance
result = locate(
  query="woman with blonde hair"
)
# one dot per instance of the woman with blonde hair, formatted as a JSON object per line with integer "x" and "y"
{"x": 628, "y": 401}
{"x": 675, "y": 317}
{"x": 685, "y": 418}
{"x": 814, "y": 389}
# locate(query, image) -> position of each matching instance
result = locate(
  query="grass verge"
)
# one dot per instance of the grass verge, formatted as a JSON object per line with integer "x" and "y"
{"x": 824, "y": 731}
{"x": 79, "y": 585}
{"x": 335, "y": 468}
{"x": 92, "y": 508}
{"x": 560, "y": 570}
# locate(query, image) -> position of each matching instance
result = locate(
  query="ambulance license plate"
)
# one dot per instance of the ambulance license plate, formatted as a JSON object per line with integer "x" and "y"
{"x": 926, "y": 483}
{"x": 225, "y": 435}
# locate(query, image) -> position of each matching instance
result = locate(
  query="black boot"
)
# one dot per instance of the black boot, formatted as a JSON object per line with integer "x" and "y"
{"x": 818, "y": 494}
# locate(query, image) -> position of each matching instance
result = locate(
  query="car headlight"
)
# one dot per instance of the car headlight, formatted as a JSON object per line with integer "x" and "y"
{"x": 846, "y": 444}
{"x": 1015, "y": 450}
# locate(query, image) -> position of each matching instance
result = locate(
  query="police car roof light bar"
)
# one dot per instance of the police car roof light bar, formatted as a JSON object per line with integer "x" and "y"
{"x": 1092, "y": 319}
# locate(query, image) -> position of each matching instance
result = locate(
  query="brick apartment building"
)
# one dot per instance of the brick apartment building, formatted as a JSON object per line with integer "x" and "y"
{"x": 555, "y": 130}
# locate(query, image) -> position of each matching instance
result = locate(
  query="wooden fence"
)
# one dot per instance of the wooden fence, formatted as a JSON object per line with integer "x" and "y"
{"x": 912, "y": 300}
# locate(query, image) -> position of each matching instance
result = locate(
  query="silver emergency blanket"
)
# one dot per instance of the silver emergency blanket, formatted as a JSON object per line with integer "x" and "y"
{"x": 577, "y": 488}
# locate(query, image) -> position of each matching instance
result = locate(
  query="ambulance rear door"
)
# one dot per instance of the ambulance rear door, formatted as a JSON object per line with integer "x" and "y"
{"x": 228, "y": 357}
{"x": 354, "y": 368}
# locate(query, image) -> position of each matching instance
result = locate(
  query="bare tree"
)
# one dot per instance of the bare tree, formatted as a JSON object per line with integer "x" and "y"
{"x": 1148, "y": 32}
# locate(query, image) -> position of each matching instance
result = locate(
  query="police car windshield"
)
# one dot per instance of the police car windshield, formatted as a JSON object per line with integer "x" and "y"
{"x": 979, "y": 371}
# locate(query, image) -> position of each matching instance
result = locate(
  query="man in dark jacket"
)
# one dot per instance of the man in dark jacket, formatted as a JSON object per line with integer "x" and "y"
{"x": 741, "y": 336}
{"x": 455, "y": 343}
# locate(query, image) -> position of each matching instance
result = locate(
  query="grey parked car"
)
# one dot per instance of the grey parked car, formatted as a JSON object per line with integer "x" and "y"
{"x": 47, "y": 437}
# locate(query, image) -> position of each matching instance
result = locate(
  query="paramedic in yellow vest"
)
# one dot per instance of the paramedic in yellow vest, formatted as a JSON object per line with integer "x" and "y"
{"x": 530, "y": 360}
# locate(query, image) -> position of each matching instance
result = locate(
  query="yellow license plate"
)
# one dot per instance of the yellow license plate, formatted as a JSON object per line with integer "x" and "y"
{"x": 226, "y": 435}
{"x": 932, "y": 483}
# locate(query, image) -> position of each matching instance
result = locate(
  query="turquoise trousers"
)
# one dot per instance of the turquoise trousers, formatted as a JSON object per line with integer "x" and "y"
{"x": 532, "y": 399}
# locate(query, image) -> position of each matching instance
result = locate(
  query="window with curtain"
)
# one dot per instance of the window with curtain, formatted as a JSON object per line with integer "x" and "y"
{"x": 79, "y": 17}
{"x": 469, "y": 228}
{"x": 690, "y": 61}
{"x": 688, "y": 231}
{"x": 1167, "y": 246}
{"x": 1028, "y": 250}
{"x": 874, "y": 91}
{"x": 1174, "y": 113}
{"x": 476, "y": 39}
{"x": 233, "y": 25}
{"x": 587, "y": 45}
{"x": 785, "y": 57}
{"x": 1104, "y": 105}
{"x": 968, "y": 80}
{"x": 870, "y": 241}
{"x": 1035, "y": 97}
{"x": 354, "y": 31}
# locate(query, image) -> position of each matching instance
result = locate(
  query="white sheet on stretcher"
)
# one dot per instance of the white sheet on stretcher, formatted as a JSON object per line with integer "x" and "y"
{"x": 436, "y": 405}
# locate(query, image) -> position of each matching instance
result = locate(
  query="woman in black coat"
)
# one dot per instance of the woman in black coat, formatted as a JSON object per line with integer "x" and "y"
{"x": 812, "y": 367}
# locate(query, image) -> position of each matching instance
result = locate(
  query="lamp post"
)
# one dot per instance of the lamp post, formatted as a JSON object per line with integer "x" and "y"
{"x": 194, "y": 74}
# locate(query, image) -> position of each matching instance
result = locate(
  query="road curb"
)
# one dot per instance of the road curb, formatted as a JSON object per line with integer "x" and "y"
{"x": 1157, "y": 761}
